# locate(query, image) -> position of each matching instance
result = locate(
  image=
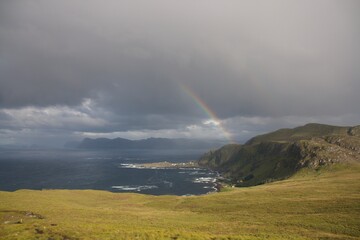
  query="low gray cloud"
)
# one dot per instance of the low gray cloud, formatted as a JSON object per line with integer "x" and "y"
{"x": 275, "y": 59}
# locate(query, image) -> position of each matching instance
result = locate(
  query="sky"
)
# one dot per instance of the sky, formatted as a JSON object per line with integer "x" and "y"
{"x": 205, "y": 69}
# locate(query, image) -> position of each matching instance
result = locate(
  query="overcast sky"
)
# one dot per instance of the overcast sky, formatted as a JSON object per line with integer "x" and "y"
{"x": 117, "y": 68}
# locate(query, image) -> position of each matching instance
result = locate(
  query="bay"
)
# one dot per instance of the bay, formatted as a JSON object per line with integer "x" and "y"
{"x": 102, "y": 170}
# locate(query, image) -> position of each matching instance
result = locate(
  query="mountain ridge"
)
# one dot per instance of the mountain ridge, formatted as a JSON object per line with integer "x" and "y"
{"x": 148, "y": 143}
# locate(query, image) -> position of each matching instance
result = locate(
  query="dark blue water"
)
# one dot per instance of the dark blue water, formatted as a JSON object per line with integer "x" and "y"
{"x": 102, "y": 170}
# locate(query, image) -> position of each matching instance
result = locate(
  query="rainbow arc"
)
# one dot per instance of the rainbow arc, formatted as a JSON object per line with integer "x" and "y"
{"x": 212, "y": 115}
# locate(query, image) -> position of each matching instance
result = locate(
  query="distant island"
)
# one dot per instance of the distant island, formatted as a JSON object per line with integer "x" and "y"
{"x": 149, "y": 143}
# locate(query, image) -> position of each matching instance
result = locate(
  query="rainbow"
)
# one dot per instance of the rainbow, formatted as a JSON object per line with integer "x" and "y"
{"x": 202, "y": 105}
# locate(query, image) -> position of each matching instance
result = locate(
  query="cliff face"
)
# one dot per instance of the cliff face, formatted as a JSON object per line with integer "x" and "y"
{"x": 280, "y": 154}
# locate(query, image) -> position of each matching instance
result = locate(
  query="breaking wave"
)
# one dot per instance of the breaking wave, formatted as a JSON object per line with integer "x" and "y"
{"x": 204, "y": 180}
{"x": 134, "y": 188}
{"x": 129, "y": 165}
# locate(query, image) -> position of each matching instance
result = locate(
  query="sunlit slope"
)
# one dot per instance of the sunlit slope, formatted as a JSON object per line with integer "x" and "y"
{"x": 323, "y": 204}
{"x": 307, "y": 131}
{"x": 280, "y": 154}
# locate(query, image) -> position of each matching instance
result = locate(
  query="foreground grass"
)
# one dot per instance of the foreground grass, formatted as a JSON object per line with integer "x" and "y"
{"x": 321, "y": 204}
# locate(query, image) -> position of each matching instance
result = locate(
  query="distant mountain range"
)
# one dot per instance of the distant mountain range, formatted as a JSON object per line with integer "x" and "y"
{"x": 149, "y": 143}
{"x": 282, "y": 153}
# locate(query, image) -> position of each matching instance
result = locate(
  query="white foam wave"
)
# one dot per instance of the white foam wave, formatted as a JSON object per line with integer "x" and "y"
{"x": 204, "y": 180}
{"x": 138, "y": 166}
{"x": 198, "y": 173}
{"x": 130, "y": 165}
{"x": 134, "y": 188}
{"x": 214, "y": 189}
{"x": 168, "y": 184}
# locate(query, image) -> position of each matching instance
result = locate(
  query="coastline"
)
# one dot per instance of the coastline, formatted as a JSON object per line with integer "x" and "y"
{"x": 218, "y": 184}
{"x": 169, "y": 165}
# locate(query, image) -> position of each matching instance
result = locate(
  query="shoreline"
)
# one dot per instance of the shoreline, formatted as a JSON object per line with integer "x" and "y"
{"x": 169, "y": 165}
{"x": 192, "y": 165}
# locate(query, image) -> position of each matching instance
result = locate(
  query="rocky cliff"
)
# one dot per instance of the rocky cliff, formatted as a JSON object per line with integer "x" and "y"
{"x": 280, "y": 154}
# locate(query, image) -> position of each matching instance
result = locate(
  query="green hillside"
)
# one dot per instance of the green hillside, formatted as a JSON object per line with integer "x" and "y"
{"x": 280, "y": 154}
{"x": 322, "y": 204}
{"x": 307, "y": 131}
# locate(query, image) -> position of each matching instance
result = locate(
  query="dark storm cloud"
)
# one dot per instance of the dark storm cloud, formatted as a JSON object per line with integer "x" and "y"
{"x": 243, "y": 58}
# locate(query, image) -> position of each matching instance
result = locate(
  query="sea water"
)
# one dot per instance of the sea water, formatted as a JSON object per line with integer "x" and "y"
{"x": 114, "y": 171}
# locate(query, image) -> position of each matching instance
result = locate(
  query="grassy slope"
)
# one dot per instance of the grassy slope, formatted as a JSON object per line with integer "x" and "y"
{"x": 322, "y": 204}
{"x": 300, "y": 133}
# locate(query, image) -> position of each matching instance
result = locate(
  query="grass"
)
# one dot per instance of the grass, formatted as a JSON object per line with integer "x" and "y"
{"x": 322, "y": 204}
{"x": 307, "y": 131}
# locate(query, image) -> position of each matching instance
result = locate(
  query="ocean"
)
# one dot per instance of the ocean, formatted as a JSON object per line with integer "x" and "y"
{"x": 108, "y": 170}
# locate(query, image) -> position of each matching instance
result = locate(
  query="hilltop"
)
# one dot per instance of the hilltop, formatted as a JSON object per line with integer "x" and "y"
{"x": 280, "y": 154}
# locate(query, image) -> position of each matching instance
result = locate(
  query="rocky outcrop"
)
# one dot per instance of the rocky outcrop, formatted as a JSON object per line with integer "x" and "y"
{"x": 328, "y": 150}
{"x": 280, "y": 154}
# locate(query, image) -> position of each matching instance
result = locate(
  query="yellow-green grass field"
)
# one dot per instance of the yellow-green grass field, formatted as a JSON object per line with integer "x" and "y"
{"x": 322, "y": 204}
